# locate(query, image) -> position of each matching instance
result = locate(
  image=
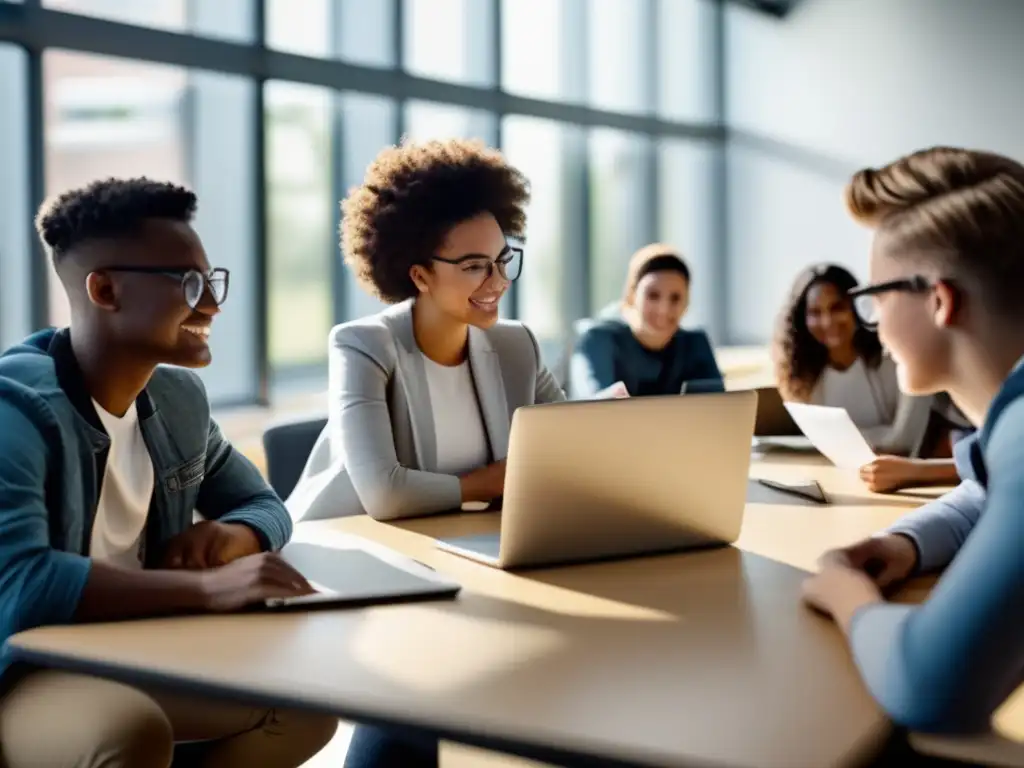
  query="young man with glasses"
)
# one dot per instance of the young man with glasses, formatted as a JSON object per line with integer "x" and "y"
{"x": 105, "y": 453}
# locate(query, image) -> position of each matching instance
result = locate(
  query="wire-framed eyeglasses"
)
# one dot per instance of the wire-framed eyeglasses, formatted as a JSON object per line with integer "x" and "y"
{"x": 479, "y": 267}
{"x": 193, "y": 282}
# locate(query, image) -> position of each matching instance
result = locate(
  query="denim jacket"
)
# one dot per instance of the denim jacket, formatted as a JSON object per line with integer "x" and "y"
{"x": 53, "y": 451}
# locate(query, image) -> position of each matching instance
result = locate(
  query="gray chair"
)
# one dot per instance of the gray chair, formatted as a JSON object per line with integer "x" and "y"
{"x": 287, "y": 446}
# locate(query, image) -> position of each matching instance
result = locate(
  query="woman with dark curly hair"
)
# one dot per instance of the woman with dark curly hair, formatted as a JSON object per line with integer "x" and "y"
{"x": 824, "y": 355}
{"x": 421, "y": 394}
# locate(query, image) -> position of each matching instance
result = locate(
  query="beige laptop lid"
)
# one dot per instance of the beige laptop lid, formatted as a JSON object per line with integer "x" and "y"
{"x": 606, "y": 478}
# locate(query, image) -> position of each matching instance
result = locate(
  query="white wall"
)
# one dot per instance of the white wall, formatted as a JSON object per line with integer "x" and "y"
{"x": 836, "y": 85}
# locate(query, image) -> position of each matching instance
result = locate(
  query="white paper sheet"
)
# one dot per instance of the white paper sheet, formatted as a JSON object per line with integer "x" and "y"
{"x": 833, "y": 433}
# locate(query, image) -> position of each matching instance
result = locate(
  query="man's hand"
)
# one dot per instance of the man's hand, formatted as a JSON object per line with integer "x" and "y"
{"x": 250, "y": 580}
{"x": 886, "y": 559}
{"x": 888, "y": 473}
{"x": 839, "y": 591}
{"x": 210, "y": 544}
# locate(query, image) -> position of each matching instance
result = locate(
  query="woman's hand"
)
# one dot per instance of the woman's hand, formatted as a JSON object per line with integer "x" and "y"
{"x": 889, "y": 473}
{"x": 484, "y": 484}
{"x": 614, "y": 392}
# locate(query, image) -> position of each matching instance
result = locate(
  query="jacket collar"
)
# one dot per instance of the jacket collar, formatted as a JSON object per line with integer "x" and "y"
{"x": 485, "y": 368}
{"x": 72, "y": 383}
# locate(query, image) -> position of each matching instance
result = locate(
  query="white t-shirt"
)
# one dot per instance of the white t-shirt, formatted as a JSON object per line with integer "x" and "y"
{"x": 126, "y": 491}
{"x": 458, "y": 425}
{"x": 870, "y": 396}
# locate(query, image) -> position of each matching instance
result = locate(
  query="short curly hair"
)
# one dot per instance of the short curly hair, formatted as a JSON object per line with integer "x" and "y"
{"x": 110, "y": 208}
{"x": 799, "y": 359}
{"x": 412, "y": 195}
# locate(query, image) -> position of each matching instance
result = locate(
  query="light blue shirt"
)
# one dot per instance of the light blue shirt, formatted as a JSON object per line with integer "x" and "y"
{"x": 945, "y": 666}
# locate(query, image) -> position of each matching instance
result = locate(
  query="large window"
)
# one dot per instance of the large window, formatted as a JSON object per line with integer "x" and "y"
{"x": 300, "y": 223}
{"x": 448, "y": 40}
{"x": 15, "y": 216}
{"x": 621, "y": 208}
{"x": 549, "y": 293}
{"x": 228, "y": 19}
{"x": 369, "y": 123}
{"x": 271, "y": 111}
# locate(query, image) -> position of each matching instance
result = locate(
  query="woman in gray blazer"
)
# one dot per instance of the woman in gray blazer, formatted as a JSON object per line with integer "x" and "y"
{"x": 422, "y": 394}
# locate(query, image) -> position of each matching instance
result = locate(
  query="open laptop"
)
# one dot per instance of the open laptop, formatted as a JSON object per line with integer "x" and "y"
{"x": 610, "y": 478}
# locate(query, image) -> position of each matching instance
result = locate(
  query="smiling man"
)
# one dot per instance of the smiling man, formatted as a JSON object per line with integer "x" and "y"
{"x": 104, "y": 454}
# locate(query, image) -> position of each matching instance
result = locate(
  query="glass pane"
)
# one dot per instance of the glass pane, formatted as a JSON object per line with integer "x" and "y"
{"x": 367, "y": 32}
{"x": 686, "y": 59}
{"x": 542, "y": 150}
{"x": 538, "y": 54}
{"x": 301, "y": 222}
{"x": 449, "y": 40}
{"x": 620, "y": 209}
{"x": 617, "y": 48}
{"x": 369, "y": 123}
{"x": 229, "y": 19}
{"x": 687, "y": 219}
{"x": 299, "y": 26}
{"x": 426, "y": 120}
{"x": 111, "y": 117}
{"x": 15, "y": 216}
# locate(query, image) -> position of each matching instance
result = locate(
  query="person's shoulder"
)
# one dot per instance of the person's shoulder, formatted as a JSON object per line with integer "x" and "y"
{"x": 373, "y": 332}
{"x": 1005, "y": 434}
{"x": 609, "y": 329}
{"x": 178, "y": 390}
{"x": 693, "y": 336}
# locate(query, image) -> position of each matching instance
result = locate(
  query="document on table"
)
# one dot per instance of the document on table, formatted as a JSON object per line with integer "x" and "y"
{"x": 832, "y": 432}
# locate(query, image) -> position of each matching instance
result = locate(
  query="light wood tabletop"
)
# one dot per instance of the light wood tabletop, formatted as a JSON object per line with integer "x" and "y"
{"x": 702, "y": 658}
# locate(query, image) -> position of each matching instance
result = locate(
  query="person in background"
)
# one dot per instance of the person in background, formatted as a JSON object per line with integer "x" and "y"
{"x": 824, "y": 355}
{"x": 645, "y": 352}
{"x": 947, "y": 273}
{"x": 106, "y": 449}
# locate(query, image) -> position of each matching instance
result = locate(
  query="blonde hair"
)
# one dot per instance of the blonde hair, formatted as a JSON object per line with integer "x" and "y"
{"x": 959, "y": 209}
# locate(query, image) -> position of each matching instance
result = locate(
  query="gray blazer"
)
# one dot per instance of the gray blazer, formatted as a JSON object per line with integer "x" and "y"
{"x": 378, "y": 453}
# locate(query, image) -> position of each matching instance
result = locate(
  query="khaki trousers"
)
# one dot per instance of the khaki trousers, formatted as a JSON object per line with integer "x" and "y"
{"x": 52, "y": 719}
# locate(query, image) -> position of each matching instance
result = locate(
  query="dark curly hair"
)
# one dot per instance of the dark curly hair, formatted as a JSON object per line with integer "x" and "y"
{"x": 111, "y": 208}
{"x": 411, "y": 196}
{"x": 798, "y": 357}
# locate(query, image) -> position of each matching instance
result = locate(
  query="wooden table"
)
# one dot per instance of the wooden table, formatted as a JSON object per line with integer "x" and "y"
{"x": 704, "y": 658}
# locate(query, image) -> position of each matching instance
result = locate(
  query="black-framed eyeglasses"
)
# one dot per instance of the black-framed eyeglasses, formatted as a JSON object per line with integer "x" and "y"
{"x": 193, "y": 282}
{"x": 864, "y": 299}
{"x": 509, "y": 264}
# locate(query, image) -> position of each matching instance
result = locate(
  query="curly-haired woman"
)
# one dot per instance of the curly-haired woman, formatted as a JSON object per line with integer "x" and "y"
{"x": 421, "y": 394}
{"x": 824, "y": 355}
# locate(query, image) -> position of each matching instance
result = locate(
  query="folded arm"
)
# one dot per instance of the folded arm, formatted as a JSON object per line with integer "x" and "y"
{"x": 234, "y": 491}
{"x": 946, "y": 665}
{"x": 908, "y": 427}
